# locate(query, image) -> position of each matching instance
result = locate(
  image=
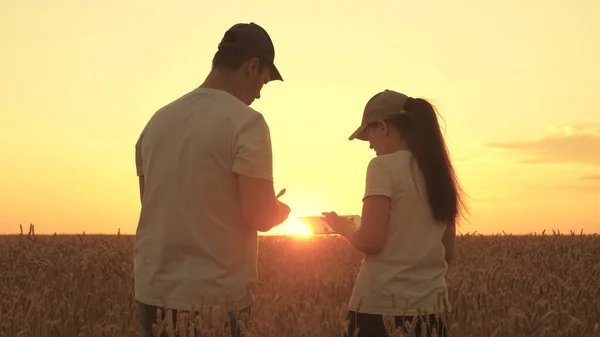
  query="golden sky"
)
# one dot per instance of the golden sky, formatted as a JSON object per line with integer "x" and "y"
{"x": 514, "y": 80}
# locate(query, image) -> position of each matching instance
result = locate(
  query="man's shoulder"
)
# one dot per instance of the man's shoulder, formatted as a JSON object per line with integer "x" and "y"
{"x": 211, "y": 107}
{"x": 228, "y": 106}
{"x": 237, "y": 109}
{"x": 238, "y": 113}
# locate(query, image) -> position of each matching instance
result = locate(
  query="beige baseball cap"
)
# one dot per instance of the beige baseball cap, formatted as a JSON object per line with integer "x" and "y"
{"x": 384, "y": 105}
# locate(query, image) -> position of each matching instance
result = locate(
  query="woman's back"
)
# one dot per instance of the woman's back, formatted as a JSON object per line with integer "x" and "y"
{"x": 409, "y": 272}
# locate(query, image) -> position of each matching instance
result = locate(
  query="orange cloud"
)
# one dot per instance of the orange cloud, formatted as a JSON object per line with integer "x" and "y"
{"x": 590, "y": 188}
{"x": 579, "y": 144}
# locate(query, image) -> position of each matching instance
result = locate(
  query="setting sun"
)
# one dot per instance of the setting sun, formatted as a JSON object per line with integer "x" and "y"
{"x": 293, "y": 226}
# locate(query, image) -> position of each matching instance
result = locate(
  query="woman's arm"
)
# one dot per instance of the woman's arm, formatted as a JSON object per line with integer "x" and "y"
{"x": 370, "y": 237}
{"x": 448, "y": 241}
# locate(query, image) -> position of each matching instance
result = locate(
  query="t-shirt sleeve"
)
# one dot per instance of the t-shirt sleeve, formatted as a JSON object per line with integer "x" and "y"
{"x": 253, "y": 154}
{"x": 138, "y": 156}
{"x": 379, "y": 180}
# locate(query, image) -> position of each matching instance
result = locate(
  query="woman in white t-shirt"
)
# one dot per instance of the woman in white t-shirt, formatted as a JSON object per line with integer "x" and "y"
{"x": 411, "y": 204}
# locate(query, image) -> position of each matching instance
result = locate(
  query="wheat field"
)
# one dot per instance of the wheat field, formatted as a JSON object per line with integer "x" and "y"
{"x": 504, "y": 285}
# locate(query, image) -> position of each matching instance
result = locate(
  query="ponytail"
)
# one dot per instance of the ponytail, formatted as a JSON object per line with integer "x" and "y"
{"x": 421, "y": 131}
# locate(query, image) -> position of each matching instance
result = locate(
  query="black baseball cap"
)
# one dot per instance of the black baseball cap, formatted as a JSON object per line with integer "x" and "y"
{"x": 252, "y": 38}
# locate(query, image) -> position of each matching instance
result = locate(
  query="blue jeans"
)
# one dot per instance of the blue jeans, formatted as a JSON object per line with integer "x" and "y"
{"x": 147, "y": 317}
{"x": 371, "y": 325}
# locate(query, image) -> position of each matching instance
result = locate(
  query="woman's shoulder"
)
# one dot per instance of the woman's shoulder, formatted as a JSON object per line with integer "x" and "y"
{"x": 398, "y": 158}
{"x": 395, "y": 165}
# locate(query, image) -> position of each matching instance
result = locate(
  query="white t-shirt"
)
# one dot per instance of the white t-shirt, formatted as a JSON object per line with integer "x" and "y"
{"x": 409, "y": 272}
{"x": 192, "y": 240}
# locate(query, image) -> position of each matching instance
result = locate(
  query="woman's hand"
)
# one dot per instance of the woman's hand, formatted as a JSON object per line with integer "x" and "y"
{"x": 343, "y": 226}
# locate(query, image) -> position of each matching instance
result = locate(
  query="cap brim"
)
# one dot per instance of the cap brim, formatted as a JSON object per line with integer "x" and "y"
{"x": 359, "y": 133}
{"x": 275, "y": 75}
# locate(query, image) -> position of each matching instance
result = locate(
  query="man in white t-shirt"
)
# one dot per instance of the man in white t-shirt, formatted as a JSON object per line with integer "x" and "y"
{"x": 205, "y": 171}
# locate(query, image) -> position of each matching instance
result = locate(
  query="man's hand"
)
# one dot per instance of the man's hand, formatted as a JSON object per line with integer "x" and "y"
{"x": 283, "y": 211}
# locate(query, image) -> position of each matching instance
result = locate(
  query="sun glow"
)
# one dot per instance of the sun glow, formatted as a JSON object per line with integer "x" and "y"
{"x": 293, "y": 226}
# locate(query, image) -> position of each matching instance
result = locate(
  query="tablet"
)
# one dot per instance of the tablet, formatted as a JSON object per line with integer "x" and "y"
{"x": 318, "y": 226}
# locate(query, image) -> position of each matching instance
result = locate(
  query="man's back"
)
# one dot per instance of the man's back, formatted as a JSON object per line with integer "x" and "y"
{"x": 192, "y": 239}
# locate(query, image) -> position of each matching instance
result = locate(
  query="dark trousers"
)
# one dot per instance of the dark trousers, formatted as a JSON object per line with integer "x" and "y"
{"x": 147, "y": 317}
{"x": 371, "y": 325}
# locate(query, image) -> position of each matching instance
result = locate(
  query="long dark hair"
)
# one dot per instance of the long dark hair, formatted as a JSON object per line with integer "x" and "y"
{"x": 421, "y": 131}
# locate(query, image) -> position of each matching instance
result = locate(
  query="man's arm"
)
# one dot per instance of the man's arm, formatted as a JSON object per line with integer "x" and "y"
{"x": 141, "y": 178}
{"x": 262, "y": 211}
{"x": 253, "y": 165}
{"x": 139, "y": 167}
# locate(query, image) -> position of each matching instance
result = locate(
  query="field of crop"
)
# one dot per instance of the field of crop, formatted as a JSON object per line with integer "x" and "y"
{"x": 500, "y": 286}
